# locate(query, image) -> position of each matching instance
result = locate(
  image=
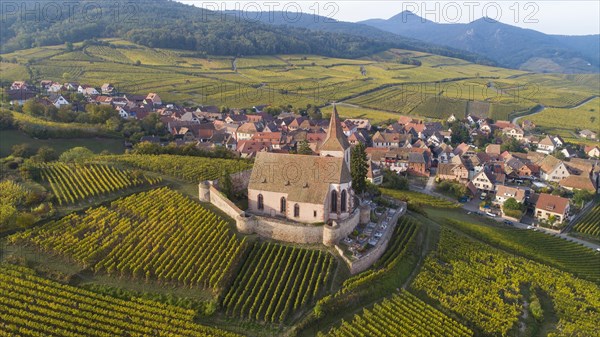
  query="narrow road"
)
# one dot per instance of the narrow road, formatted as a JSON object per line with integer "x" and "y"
{"x": 473, "y": 206}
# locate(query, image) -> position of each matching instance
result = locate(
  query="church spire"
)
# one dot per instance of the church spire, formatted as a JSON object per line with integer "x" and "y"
{"x": 335, "y": 140}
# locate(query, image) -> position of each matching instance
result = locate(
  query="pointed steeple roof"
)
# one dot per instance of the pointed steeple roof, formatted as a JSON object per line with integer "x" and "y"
{"x": 336, "y": 140}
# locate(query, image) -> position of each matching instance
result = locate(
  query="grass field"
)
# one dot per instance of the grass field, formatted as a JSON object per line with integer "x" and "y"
{"x": 437, "y": 88}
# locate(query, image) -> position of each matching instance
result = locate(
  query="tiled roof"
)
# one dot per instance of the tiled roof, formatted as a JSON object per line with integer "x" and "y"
{"x": 304, "y": 178}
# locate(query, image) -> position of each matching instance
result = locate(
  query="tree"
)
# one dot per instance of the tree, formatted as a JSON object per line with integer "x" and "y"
{"x": 6, "y": 120}
{"x": 45, "y": 154}
{"x": 359, "y": 168}
{"x": 225, "y": 184}
{"x": 580, "y": 197}
{"x": 304, "y": 148}
{"x": 511, "y": 145}
{"x": 22, "y": 150}
{"x": 138, "y": 62}
{"x": 76, "y": 155}
{"x": 460, "y": 134}
{"x": 69, "y": 46}
{"x": 512, "y": 204}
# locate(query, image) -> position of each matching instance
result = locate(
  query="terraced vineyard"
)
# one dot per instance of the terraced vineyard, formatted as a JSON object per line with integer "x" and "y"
{"x": 276, "y": 281}
{"x": 402, "y": 314}
{"x": 483, "y": 286}
{"x": 192, "y": 169}
{"x": 590, "y": 223}
{"x": 34, "y": 306}
{"x": 545, "y": 248}
{"x": 159, "y": 234}
{"x": 72, "y": 183}
{"x": 404, "y": 234}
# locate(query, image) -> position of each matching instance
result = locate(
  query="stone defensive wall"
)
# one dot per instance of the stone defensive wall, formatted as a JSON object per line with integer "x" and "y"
{"x": 362, "y": 264}
{"x": 280, "y": 229}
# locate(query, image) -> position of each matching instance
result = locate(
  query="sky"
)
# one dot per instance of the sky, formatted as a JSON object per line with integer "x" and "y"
{"x": 550, "y": 16}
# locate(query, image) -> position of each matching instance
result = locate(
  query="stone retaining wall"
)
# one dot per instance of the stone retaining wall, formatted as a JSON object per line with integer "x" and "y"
{"x": 362, "y": 264}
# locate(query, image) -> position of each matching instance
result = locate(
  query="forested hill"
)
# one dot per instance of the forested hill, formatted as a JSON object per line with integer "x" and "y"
{"x": 169, "y": 24}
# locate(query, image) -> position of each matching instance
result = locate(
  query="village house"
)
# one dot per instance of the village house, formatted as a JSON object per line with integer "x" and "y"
{"x": 553, "y": 169}
{"x": 153, "y": 99}
{"x": 390, "y": 140}
{"x": 587, "y": 134}
{"x": 504, "y": 193}
{"x": 374, "y": 174}
{"x": 514, "y": 132}
{"x": 107, "y": 89}
{"x": 548, "y": 205}
{"x": 582, "y": 182}
{"x": 456, "y": 170}
{"x": 547, "y": 145}
{"x": 361, "y": 123}
{"x": 87, "y": 90}
{"x": 21, "y": 85}
{"x": 284, "y": 185}
{"x": 527, "y": 125}
{"x": 247, "y": 130}
{"x": 484, "y": 181}
{"x": 55, "y": 87}
{"x": 360, "y": 136}
{"x": 59, "y": 101}
{"x": 592, "y": 151}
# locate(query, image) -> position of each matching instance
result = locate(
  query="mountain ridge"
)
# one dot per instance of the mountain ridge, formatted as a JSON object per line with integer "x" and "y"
{"x": 509, "y": 46}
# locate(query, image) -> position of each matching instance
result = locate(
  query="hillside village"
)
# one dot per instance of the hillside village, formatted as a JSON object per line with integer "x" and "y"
{"x": 490, "y": 161}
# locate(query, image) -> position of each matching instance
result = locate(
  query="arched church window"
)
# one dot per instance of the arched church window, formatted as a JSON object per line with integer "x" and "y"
{"x": 334, "y": 201}
{"x": 261, "y": 202}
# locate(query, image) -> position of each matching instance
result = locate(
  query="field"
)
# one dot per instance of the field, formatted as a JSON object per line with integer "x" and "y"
{"x": 276, "y": 281}
{"x": 545, "y": 248}
{"x": 486, "y": 288}
{"x": 402, "y": 314}
{"x": 34, "y": 306}
{"x": 589, "y": 225}
{"x": 417, "y": 199}
{"x": 191, "y": 169}
{"x": 439, "y": 87}
{"x": 158, "y": 234}
{"x": 564, "y": 122}
{"x": 71, "y": 183}
{"x": 10, "y": 138}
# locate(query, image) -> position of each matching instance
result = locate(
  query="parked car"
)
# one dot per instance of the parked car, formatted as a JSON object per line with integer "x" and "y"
{"x": 506, "y": 222}
{"x": 482, "y": 196}
{"x": 529, "y": 227}
{"x": 490, "y": 214}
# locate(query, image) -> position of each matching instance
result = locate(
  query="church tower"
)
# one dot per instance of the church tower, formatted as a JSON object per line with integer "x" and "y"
{"x": 335, "y": 144}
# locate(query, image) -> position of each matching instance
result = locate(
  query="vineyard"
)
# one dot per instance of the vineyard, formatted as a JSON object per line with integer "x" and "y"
{"x": 276, "y": 281}
{"x": 545, "y": 248}
{"x": 404, "y": 234}
{"x": 159, "y": 234}
{"x": 590, "y": 223}
{"x": 72, "y": 183}
{"x": 192, "y": 169}
{"x": 483, "y": 286}
{"x": 402, "y": 314}
{"x": 419, "y": 199}
{"x": 34, "y": 306}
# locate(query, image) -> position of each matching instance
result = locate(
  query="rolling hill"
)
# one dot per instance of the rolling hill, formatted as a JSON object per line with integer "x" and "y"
{"x": 509, "y": 46}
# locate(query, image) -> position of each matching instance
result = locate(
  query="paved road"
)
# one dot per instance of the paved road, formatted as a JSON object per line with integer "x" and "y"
{"x": 473, "y": 206}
